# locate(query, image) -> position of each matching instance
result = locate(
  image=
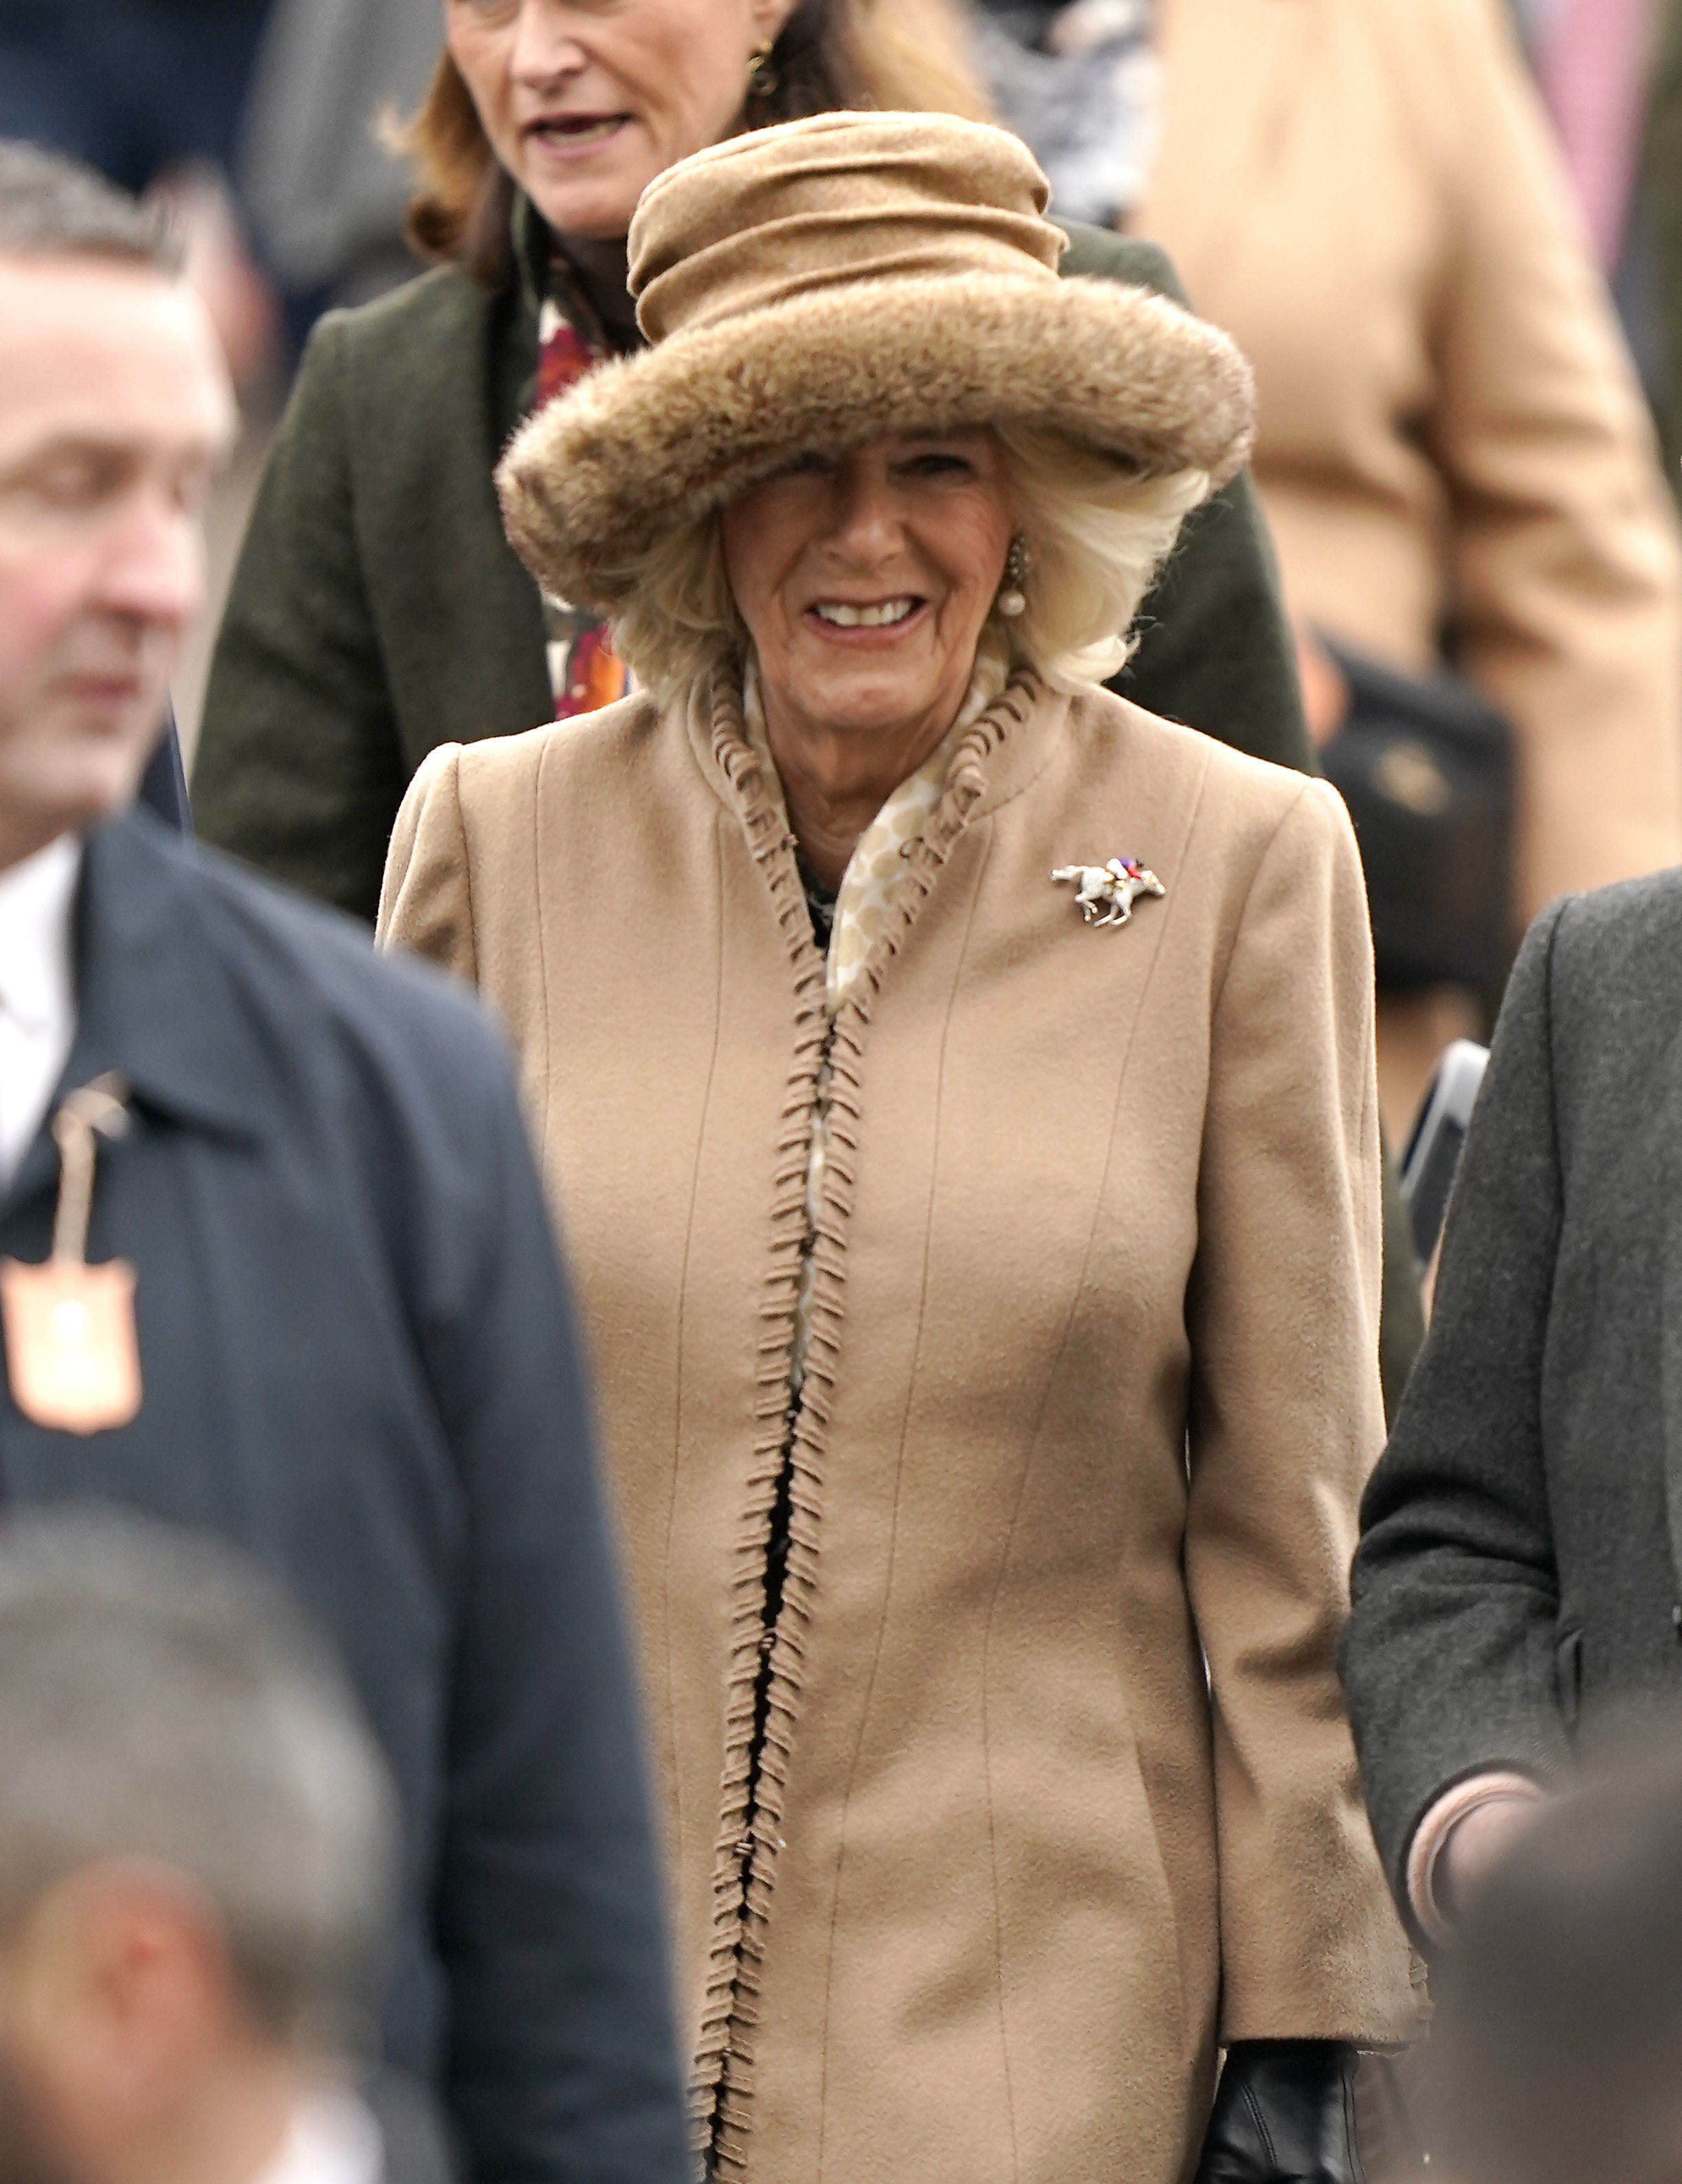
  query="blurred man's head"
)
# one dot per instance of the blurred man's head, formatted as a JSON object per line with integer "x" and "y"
{"x": 195, "y": 1838}
{"x": 1556, "y": 2053}
{"x": 114, "y": 412}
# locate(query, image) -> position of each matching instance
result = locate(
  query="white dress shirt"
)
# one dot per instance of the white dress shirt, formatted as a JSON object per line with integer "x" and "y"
{"x": 334, "y": 2139}
{"x": 38, "y": 990}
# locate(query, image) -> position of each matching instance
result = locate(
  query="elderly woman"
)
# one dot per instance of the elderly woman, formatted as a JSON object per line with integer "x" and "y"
{"x": 377, "y": 610}
{"x": 957, "y": 1085}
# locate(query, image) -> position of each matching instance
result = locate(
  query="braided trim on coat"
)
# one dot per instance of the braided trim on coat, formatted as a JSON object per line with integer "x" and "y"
{"x": 722, "y": 2087}
{"x": 765, "y": 828}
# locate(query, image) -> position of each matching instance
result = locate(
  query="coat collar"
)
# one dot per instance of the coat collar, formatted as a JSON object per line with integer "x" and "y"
{"x": 529, "y": 234}
{"x": 997, "y": 756}
{"x": 154, "y": 998}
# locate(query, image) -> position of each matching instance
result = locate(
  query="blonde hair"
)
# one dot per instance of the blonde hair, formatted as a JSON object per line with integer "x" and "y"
{"x": 1094, "y": 531}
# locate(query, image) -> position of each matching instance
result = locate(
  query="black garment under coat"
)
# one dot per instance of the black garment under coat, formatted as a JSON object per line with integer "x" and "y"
{"x": 1518, "y": 1581}
{"x": 358, "y": 1365}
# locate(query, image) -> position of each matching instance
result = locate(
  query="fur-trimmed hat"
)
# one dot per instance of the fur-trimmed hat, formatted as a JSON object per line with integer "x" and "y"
{"x": 823, "y": 283}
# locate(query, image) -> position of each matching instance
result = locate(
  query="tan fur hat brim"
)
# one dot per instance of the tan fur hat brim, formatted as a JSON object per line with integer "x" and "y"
{"x": 644, "y": 442}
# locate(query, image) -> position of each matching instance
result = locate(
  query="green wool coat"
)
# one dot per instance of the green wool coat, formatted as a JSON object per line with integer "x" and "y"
{"x": 377, "y": 610}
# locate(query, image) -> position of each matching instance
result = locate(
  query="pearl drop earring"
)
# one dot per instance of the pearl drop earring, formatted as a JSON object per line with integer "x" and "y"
{"x": 1012, "y": 599}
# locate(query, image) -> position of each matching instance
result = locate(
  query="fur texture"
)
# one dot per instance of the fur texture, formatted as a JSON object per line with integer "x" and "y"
{"x": 682, "y": 428}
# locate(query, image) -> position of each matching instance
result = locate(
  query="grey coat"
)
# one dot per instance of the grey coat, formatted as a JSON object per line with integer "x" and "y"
{"x": 1517, "y": 1578}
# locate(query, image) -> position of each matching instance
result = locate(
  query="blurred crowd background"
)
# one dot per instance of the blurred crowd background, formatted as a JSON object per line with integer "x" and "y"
{"x": 1449, "y": 239}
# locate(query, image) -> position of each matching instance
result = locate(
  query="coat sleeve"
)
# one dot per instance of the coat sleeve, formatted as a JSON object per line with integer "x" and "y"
{"x": 562, "y": 2065}
{"x": 1286, "y": 1420}
{"x": 1449, "y": 1655}
{"x": 298, "y": 769}
{"x": 1566, "y": 595}
{"x": 425, "y": 901}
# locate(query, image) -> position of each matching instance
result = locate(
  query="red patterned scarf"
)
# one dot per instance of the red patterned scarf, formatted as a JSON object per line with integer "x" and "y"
{"x": 583, "y": 672}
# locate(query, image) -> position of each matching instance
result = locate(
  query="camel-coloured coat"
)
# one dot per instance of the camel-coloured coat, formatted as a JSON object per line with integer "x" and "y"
{"x": 1450, "y": 438}
{"x": 1090, "y": 1386}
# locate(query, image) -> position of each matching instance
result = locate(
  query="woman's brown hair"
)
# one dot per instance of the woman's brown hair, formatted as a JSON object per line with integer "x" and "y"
{"x": 899, "y": 56}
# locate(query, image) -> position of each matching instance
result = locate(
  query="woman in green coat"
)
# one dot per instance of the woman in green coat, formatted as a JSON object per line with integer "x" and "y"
{"x": 377, "y": 610}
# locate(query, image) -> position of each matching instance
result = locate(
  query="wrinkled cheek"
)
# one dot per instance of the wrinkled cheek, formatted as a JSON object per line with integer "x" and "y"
{"x": 979, "y": 604}
{"x": 958, "y": 622}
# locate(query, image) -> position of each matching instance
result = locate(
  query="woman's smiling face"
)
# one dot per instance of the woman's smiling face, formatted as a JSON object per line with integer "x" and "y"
{"x": 865, "y": 579}
{"x": 585, "y": 100}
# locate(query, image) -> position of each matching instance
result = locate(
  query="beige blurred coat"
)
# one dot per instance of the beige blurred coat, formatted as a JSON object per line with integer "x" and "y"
{"x": 1363, "y": 193}
{"x": 1087, "y": 1191}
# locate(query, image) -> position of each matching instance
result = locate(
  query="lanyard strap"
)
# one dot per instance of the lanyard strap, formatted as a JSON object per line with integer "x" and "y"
{"x": 96, "y": 1108}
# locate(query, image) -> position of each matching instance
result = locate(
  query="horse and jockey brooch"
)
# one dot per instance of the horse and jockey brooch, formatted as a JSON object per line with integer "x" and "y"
{"x": 1106, "y": 893}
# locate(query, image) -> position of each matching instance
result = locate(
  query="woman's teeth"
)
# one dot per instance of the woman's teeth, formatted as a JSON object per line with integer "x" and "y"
{"x": 846, "y": 617}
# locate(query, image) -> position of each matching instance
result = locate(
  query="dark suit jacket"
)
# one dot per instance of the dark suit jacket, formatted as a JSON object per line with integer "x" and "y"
{"x": 358, "y": 1365}
{"x": 162, "y": 786}
{"x": 1517, "y": 1573}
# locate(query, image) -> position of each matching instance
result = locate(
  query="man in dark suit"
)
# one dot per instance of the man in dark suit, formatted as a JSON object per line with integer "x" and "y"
{"x": 274, "y": 1260}
{"x": 1518, "y": 1584}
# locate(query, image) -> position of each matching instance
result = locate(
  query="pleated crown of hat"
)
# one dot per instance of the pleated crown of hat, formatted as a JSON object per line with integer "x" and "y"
{"x": 829, "y": 281}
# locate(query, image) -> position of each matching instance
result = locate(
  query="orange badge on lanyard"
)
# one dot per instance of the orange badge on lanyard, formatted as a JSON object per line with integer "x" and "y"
{"x": 71, "y": 1351}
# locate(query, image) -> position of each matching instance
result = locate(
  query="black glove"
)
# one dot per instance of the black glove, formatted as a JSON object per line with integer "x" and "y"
{"x": 1284, "y": 2113}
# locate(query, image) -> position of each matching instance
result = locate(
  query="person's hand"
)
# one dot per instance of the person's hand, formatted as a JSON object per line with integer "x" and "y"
{"x": 1477, "y": 1845}
{"x": 1284, "y": 2114}
{"x": 1325, "y": 691}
